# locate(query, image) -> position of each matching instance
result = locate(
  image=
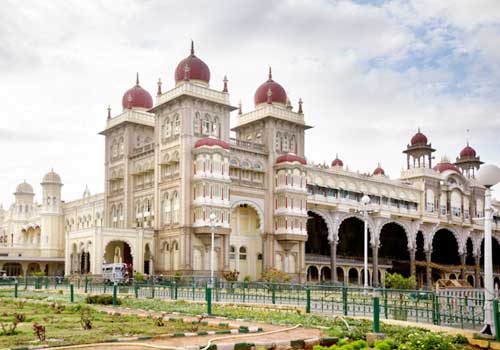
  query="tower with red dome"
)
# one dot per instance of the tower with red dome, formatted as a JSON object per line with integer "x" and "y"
{"x": 468, "y": 161}
{"x": 419, "y": 152}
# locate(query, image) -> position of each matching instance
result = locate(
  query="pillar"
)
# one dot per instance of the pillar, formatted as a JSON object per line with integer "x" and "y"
{"x": 413, "y": 267}
{"x": 333, "y": 260}
{"x": 375, "y": 282}
{"x": 428, "y": 269}
{"x": 477, "y": 272}
{"x": 462, "y": 268}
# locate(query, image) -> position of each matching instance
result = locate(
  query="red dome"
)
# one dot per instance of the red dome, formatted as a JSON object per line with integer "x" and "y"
{"x": 379, "y": 171}
{"x": 445, "y": 165}
{"x": 290, "y": 158}
{"x": 198, "y": 70}
{"x": 418, "y": 139}
{"x": 468, "y": 152}
{"x": 211, "y": 142}
{"x": 278, "y": 94}
{"x": 137, "y": 97}
{"x": 337, "y": 162}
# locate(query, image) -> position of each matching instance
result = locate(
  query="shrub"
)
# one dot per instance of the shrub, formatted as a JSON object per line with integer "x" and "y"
{"x": 39, "y": 331}
{"x": 38, "y": 274}
{"x": 102, "y": 299}
{"x": 396, "y": 281}
{"x": 275, "y": 276}
{"x": 230, "y": 276}
{"x": 139, "y": 277}
{"x": 159, "y": 321}
{"x": 19, "y": 317}
{"x": 9, "y": 329}
{"x": 247, "y": 278}
{"x": 86, "y": 318}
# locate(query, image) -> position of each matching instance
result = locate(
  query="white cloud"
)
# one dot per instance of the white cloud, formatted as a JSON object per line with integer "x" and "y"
{"x": 369, "y": 75}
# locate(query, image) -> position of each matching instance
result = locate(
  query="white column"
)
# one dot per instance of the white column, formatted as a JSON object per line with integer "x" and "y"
{"x": 489, "y": 292}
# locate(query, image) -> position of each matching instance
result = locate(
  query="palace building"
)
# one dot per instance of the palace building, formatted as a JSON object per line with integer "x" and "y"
{"x": 172, "y": 161}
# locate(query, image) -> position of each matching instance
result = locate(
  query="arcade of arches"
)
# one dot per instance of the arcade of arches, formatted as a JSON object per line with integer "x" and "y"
{"x": 341, "y": 260}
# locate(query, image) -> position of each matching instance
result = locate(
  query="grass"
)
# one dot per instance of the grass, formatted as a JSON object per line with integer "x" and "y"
{"x": 65, "y": 327}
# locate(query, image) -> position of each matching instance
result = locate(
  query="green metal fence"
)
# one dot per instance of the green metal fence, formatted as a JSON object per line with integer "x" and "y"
{"x": 455, "y": 309}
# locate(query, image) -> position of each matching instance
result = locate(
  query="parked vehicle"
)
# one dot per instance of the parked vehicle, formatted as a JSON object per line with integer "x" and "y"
{"x": 118, "y": 273}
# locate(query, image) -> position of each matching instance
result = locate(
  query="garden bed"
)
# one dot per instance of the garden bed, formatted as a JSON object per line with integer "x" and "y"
{"x": 78, "y": 324}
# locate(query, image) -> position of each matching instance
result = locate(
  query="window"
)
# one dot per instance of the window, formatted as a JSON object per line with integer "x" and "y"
{"x": 197, "y": 124}
{"x": 177, "y": 125}
{"x": 243, "y": 253}
{"x": 232, "y": 252}
{"x": 206, "y": 125}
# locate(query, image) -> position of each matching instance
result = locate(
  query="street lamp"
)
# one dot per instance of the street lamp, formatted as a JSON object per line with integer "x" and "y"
{"x": 365, "y": 200}
{"x": 212, "y": 218}
{"x": 488, "y": 176}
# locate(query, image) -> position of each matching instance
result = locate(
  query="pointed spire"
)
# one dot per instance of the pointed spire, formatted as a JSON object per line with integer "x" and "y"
{"x": 109, "y": 112}
{"x": 468, "y": 136}
{"x": 192, "y": 47}
{"x": 225, "y": 84}
{"x": 418, "y": 130}
{"x": 137, "y": 78}
{"x": 270, "y": 73}
{"x": 240, "y": 110}
{"x": 300, "y": 106}
{"x": 269, "y": 96}
{"x": 159, "y": 87}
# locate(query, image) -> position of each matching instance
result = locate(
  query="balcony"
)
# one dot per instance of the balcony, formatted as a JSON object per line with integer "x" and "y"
{"x": 246, "y": 145}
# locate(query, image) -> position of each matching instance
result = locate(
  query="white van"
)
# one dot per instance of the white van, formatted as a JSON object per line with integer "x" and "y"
{"x": 112, "y": 273}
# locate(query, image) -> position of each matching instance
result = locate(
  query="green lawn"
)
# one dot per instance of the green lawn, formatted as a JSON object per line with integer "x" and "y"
{"x": 64, "y": 326}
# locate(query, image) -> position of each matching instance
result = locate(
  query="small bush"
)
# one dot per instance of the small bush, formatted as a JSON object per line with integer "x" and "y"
{"x": 247, "y": 278}
{"x": 102, "y": 299}
{"x": 38, "y": 274}
{"x": 39, "y": 331}
{"x": 9, "y": 328}
{"x": 86, "y": 318}
{"x": 275, "y": 276}
{"x": 397, "y": 281}
{"x": 139, "y": 277}
{"x": 231, "y": 276}
{"x": 20, "y": 317}
{"x": 159, "y": 321}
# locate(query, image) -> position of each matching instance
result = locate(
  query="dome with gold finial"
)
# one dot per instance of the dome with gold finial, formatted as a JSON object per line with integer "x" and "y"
{"x": 192, "y": 68}
{"x": 270, "y": 92}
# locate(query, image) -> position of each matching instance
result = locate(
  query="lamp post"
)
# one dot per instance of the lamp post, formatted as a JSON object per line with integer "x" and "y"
{"x": 488, "y": 176}
{"x": 365, "y": 200}
{"x": 212, "y": 218}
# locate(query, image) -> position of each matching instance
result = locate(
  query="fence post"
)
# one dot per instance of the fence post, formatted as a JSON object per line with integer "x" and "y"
{"x": 46, "y": 282}
{"x": 16, "y": 286}
{"x": 175, "y": 290}
{"x": 495, "y": 319}
{"x": 136, "y": 289}
{"x": 86, "y": 284}
{"x": 308, "y": 300}
{"x": 71, "y": 293}
{"x": 273, "y": 293}
{"x": 25, "y": 282}
{"x": 344, "y": 300}
{"x": 385, "y": 304}
{"x": 208, "y": 296}
{"x": 376, "y": 311}
{"x": 115, "y": 290}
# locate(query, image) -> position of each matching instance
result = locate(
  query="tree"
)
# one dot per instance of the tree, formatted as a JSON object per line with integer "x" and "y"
{"x": 396, "y": 281}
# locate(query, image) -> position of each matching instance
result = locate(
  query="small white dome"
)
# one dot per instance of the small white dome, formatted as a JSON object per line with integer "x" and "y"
{"x": 51, "y": 177}
{"x": 24, "y": 187}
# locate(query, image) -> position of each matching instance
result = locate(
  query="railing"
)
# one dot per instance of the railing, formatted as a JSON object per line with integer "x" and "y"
{"x": 246, "y": 144}
{"x": 462, "y": 310}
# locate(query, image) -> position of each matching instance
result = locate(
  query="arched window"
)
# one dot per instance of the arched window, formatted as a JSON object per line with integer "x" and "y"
{"x": 206, "y": 125}
{"x": 278, "y": 141}
{"x": 285, "y": 143}
{"x": 232, "y": 252}
{"x": 197, "y": 124}
{"x": 293, "y": 144}
{"x": 166, "y": 128}
{"x": 243, "y": 253}
{"x": 176, "y": 207}
{"x": 215, "y": 127}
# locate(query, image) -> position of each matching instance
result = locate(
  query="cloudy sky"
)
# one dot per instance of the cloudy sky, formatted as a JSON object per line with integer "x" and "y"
{"x": 369, "y": 72}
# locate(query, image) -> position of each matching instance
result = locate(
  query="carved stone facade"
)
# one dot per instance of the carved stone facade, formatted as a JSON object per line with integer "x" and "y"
{"x": 171, "y": 164}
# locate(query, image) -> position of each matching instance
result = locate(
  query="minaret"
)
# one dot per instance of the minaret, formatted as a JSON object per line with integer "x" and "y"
{"x": 468, "y": 161}
{"x": 51, "y": 216}
{"x": 419, "y": 152}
